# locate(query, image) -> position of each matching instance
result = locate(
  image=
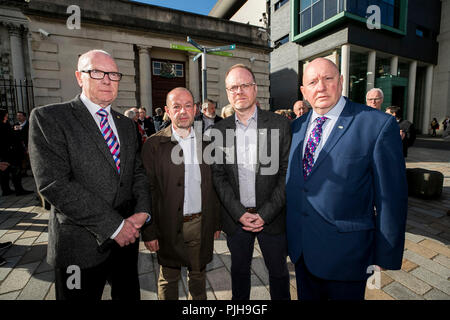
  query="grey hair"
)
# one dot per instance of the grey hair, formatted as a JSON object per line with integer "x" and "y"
{"x": 130, "y": 114}
{"x": 375, "y": 89}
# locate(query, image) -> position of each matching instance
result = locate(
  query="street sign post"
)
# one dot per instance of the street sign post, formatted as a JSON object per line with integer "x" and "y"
{"x": 203, "y": 51}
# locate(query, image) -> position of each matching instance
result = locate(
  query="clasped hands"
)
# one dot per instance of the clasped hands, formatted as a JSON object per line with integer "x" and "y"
{"x": 131, "y": 228}
{"x": 251, "y": 222}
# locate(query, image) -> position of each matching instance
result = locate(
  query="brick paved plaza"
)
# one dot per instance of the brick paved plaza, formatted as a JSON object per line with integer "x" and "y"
{"x": 425, "y": 272}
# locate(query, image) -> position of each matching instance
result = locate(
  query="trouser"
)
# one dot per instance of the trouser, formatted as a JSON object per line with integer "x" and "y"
{"x": 169, "y": 277}
{"x": 120, "y": 269}
{"x": 274, "y": 251}
{"x": 310, "y": 287}
{"x": 14, "y": 171}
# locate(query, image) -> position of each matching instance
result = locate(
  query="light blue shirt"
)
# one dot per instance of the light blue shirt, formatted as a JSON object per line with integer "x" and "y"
{"x": 327, "y": 127}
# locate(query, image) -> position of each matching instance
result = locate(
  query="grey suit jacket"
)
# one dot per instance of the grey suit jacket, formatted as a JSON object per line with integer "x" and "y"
{"x": 270, "y": 181}
{"x": 74, "y": 170}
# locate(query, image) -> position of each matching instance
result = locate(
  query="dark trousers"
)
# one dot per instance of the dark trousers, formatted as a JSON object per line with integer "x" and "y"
{"x": 14, "y": 172}
{"x": 310, "y": 287}
{"x": 119, "y": 269}
{"x": 274, "y": 251}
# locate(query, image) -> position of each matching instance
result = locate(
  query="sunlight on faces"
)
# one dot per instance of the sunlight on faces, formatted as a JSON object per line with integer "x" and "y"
{"x": 374, "y": 99}
{"x": 101, "y": 92}
{"x": 243, "y": 99}
{"x": 322, "y": 85}
{"x": 300, "y": 108}
{"x": 180, "y": 108}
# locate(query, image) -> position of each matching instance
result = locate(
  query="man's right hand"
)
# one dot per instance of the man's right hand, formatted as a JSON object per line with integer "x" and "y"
{"x": 251, "y": 222}
{"x": 3, "y": 165}
{"x": 153, "y": 245}
{"x": 127, "y": 234}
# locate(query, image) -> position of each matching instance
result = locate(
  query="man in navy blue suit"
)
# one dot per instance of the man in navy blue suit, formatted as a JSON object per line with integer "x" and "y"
{"x": 346, "y": 191}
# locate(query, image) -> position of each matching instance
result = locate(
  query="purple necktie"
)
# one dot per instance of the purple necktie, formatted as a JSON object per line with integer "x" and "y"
{"x": 311, "y": 146}
{"x": 110, "y": 137}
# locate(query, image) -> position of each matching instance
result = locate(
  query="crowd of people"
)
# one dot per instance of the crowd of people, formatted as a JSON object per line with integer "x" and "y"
{"x": 322, "y": 197}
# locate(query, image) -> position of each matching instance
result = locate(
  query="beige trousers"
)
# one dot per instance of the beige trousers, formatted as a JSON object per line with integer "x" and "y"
{"x": 169, "y": 277}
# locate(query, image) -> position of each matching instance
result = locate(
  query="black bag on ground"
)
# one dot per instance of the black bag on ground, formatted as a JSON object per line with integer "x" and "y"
{"x": 423, "y": 183}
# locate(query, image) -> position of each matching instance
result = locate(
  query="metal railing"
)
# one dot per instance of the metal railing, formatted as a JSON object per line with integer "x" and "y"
{"x": 16, "y": 95}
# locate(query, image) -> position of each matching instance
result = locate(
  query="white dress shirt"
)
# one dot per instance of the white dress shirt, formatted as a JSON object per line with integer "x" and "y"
{"x": 192, "y": 175}
{"x": 327, "y": 126}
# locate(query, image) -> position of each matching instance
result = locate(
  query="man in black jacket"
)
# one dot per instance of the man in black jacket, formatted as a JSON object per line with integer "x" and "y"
{"x": 407, "y": 129}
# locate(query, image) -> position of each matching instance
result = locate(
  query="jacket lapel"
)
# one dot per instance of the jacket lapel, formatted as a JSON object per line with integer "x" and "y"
{"x": 92, "y": 131}
{"x": 341, "y": 126}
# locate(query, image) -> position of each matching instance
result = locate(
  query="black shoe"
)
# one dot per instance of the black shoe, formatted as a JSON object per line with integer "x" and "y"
{"x": 23, "y": 192}
{"x": 4, "y": 245}
{"x": 2, "y": 261}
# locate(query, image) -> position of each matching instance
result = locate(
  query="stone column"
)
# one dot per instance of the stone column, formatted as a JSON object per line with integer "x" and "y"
{"x": 427, "y": 106}
{"x": 17, "y": 58}
{"x": 411, "y": 90}
{"x": 145, "y": 78}
{"x": 394, "y": 66}
{"x": 371, "y": 64}
{"x": 194, "y": 77}
{"x": 345, "y": 68}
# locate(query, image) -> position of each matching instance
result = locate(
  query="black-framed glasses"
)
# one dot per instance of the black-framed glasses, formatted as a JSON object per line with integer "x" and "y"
{"x": 99, "y": 75}
{"x": 244, "y": 86}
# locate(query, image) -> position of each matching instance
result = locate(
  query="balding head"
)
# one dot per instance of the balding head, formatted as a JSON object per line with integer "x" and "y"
{"x": 322, "y": 85}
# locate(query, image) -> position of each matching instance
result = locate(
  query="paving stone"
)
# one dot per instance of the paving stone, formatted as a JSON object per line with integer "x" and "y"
{"x": 220, "y": 246}
{"x": 145, "y": 263}
{"x": 408, "y": 265}
{"x": 10, "y": 295}
{"x": 428, "y": 264}
{"x": 399, "y": 292}
{"x": 376, "y": 294}
{"x": 37, "y": 253}
{"x": 423, "y": 227}
{"x": 258, "y": 290}
{"x": 385, "y": 279}
{"x": 106, "y": 295}
{"x": 149, "y": 290}
{"x": 414, "y": 237}
{"x": 423, "y": 251}
{"x": 43, "y": 237}
{"x": 293, "y": 292}
{"x": 260, "y": 269}
{"x": 38, "y": 286}
{"x": 435, "y": 294}
{"x": 409, "y": 281}
{"x": 432, "y": 213}
{"x": 441, "y": 259}
{"x": 33, "y": 231}
{"x": 18, "y": 278}
{"x": 226, "y": 259}
{"x": 11, "y": 237}
{"x": 19, "y": 248}
{"x": 215, "y": 263}
{"x": 220, "y": 280}
{"x": 8, "y": 267}
{"x": 44, "y": 267}
{"x": 433, "y": 279}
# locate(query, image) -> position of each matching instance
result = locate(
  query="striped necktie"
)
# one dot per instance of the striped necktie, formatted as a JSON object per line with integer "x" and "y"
{"x": 110, "y": 137}
{"x": 311, "y": 146}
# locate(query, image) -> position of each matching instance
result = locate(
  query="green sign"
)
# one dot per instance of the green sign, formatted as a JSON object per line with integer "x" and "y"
{"x": 185, "y": 48}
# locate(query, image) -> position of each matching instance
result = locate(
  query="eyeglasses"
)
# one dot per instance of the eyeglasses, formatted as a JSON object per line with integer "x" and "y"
{"x": 99, "y": 75}
{"x": 243, "y": 87}
{"x": 374, "y": 99}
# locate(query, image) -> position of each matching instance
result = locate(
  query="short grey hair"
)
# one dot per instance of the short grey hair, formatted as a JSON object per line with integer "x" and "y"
{"x": 207, "y": 102}
{"x": 130, "y": 114}
{"x": 84, "y": 59}
{"x": 376, "y": 89}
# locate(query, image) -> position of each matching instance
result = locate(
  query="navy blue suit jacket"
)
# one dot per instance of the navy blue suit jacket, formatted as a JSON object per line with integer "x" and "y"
{"x": 331, "y": 216}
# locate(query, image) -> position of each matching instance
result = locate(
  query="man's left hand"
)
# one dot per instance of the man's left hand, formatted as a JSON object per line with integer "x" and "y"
{"x": 138, "y": 219}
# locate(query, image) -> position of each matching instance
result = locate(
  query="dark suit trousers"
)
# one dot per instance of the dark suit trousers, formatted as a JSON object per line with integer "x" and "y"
{"x": 274, "y": 251}
{"x": 310, "y": 287}
{"x": 119, "y": 269}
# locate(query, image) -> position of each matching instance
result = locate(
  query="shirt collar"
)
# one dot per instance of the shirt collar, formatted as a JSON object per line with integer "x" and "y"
{"x": 253, "y": 117}
{"x": 92, "y": 107}
{"x": 179, "y": 138}
{"x": 334, "y": 112}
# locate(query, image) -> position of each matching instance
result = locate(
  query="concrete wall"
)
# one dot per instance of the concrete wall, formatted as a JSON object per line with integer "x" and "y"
{"x": 251, "y": 12}
{"x": 440, "y": 99}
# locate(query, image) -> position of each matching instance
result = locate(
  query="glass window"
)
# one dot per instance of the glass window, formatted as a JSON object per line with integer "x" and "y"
{"x": 305, "y": 18}
{"x": 304, "y": 4}
{"x": 383, "y": 67}
{"x": 156, "y": 68}
{"x": 314, "y": 12}
{"x": 317, "y": 13}
{"x": 358, "y": 77}
{"x": 330, "y": 8}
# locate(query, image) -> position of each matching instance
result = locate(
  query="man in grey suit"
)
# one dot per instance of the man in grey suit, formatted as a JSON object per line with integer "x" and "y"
{"x": 86, "y": 163}
{"x": 250, "y": 182}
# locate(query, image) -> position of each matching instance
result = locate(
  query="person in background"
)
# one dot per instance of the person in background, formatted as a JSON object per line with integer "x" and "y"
{"x": 158, "y": 119}
{"x": 434, "y": 127}
{"x": 407, "y": 129}
{"x": 300, "y": 108}
{"x": 375, "y": 98}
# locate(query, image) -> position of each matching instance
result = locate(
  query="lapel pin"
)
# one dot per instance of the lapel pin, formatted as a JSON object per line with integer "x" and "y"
{"x": 118, "y": 117}
{"x": 341, "y": 127}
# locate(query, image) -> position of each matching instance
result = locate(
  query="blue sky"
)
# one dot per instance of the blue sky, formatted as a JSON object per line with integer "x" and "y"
{"x": 195, "y": 6}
